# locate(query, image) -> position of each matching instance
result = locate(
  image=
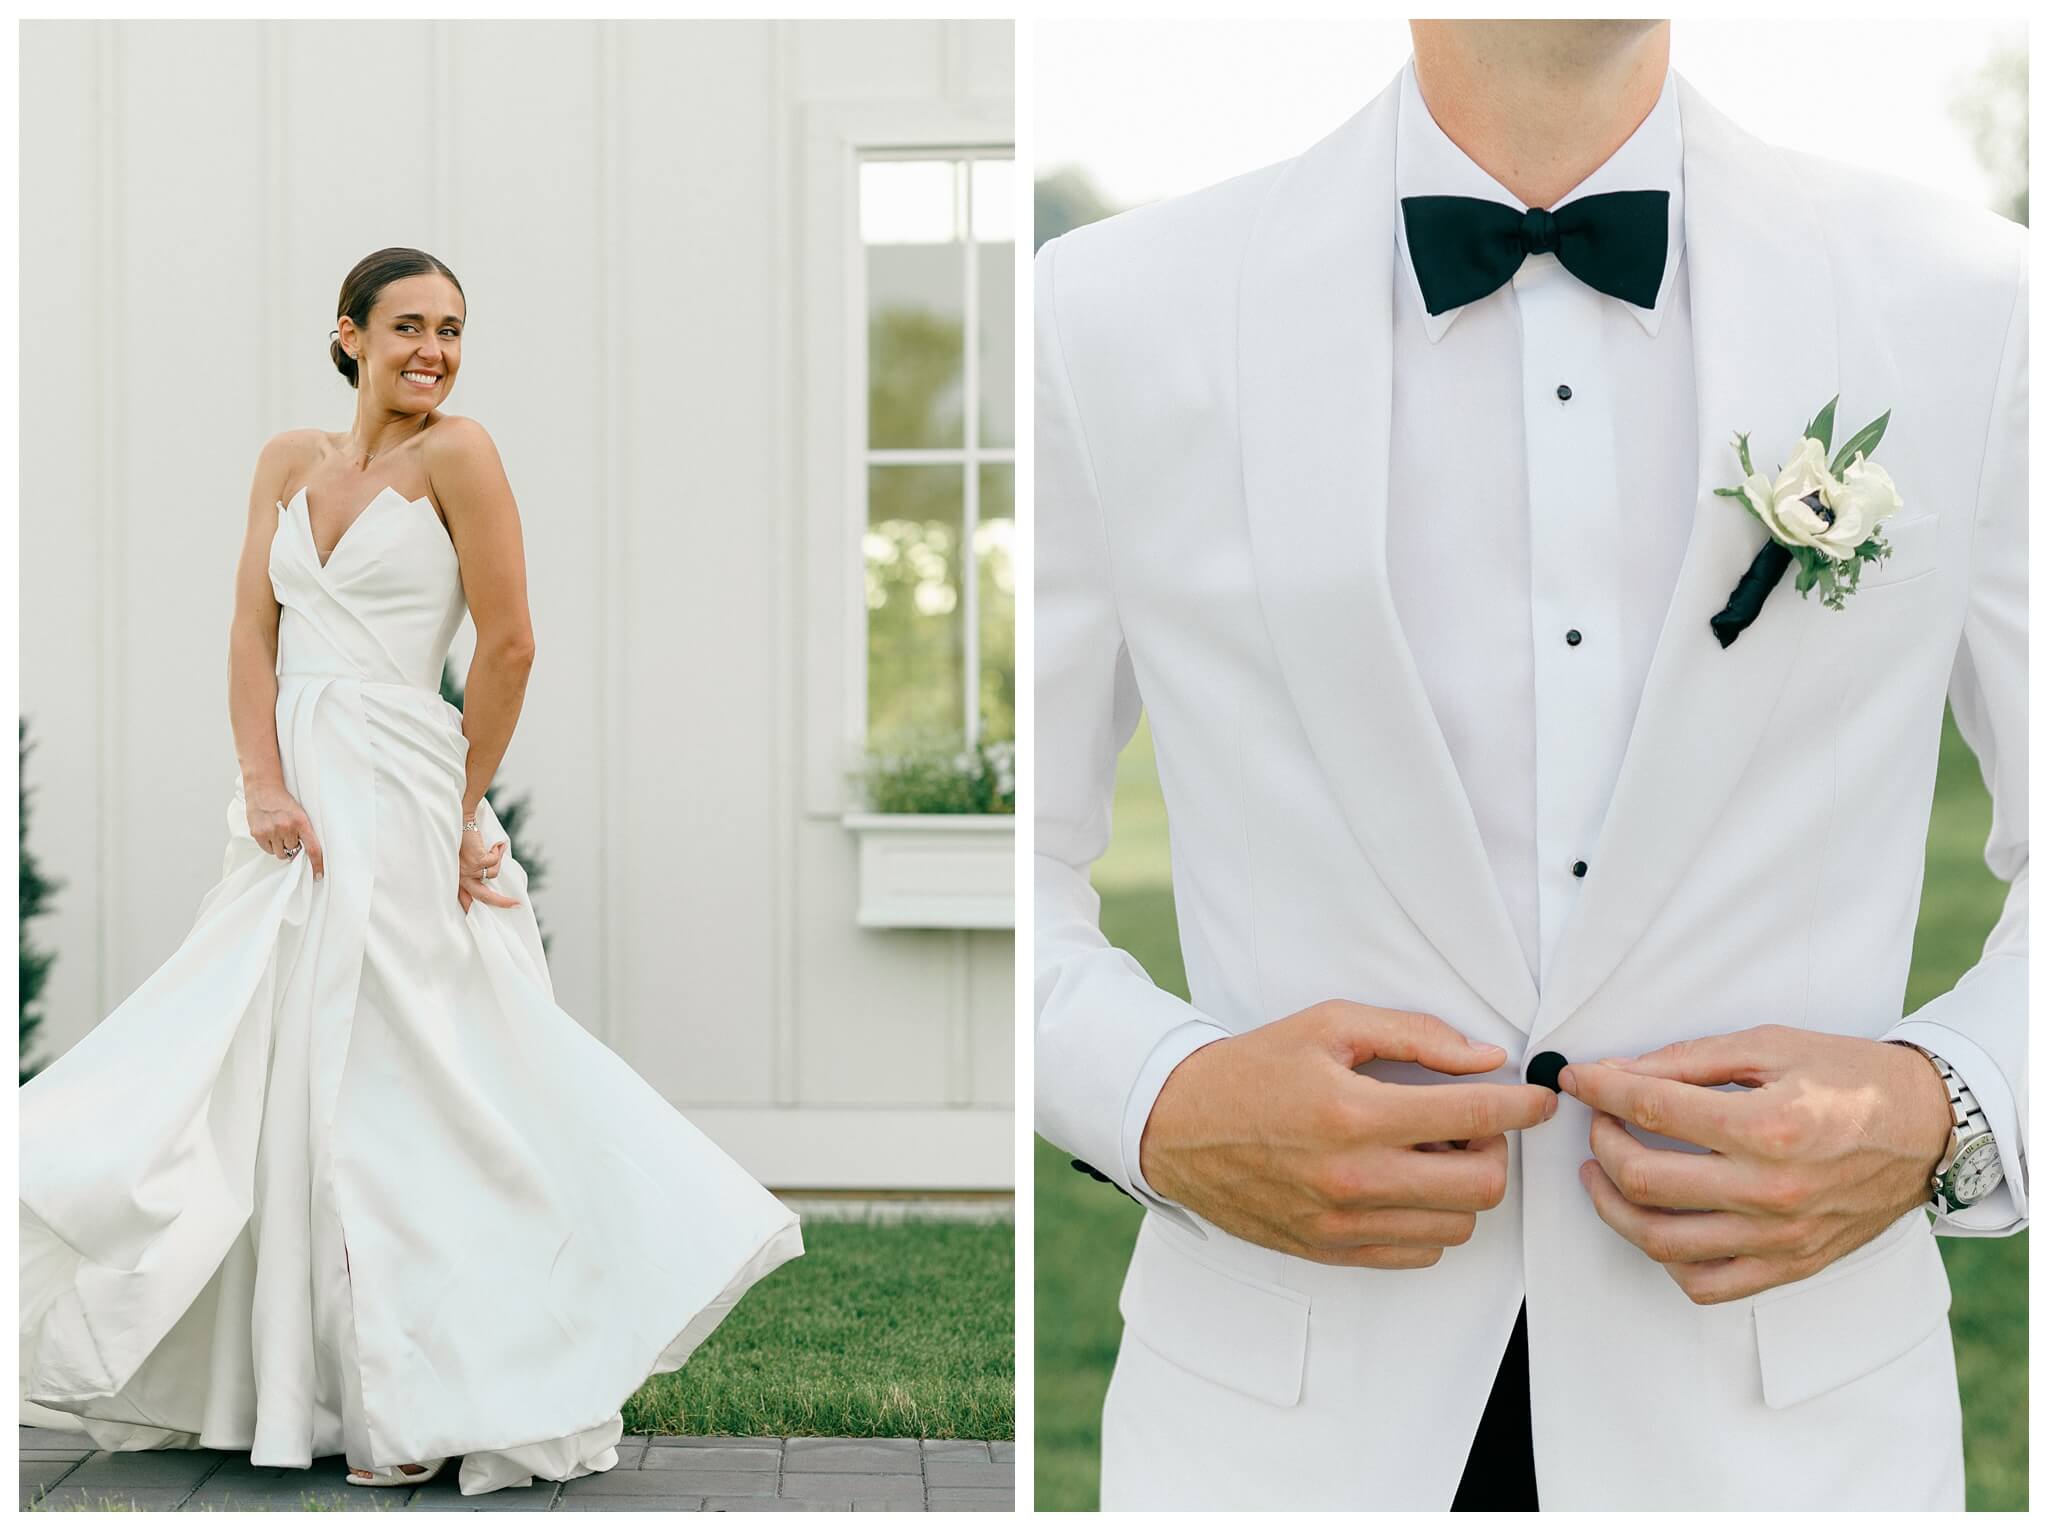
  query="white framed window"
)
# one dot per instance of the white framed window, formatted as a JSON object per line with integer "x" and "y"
{"x": 933, "y": 455}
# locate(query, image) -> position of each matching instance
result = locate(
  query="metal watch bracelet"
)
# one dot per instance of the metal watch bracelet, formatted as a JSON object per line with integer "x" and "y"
{"x": 1969, "y": 1169}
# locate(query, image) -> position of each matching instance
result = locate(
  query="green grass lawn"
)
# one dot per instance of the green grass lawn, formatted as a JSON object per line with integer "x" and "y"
{"x": 1085, "y": 1230}
{"x": 878, "y": 1330}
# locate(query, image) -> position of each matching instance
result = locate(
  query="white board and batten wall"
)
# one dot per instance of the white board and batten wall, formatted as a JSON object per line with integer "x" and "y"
{"x": 642, "y": 216}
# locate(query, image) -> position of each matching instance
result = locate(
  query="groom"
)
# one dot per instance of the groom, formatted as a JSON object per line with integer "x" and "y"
{"x": 1544, "y": 1129}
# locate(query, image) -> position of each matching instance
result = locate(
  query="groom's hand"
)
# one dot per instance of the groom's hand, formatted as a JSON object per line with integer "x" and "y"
{"x": 1270, "y": 1135}
{"x": 1834, "y": 1140}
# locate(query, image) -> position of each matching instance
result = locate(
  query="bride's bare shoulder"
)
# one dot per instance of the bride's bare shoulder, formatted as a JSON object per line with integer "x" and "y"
{"x": 306, "y": 441}
{"x": 460, "y": 432}
{"x": 459, "y": 450}
{"x": 289, "y": 454}
{"x": 283, "y": 464}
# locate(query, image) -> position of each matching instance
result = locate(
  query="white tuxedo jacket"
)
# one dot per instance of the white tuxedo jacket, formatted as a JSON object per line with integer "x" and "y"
{"x": 1213, "y": 412}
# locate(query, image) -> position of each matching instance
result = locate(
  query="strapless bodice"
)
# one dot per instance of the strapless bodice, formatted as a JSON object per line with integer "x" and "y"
{"x": 383, "y": 608}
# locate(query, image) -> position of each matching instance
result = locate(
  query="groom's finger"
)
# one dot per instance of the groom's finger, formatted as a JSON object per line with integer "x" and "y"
{"x": 1439, "y": 1113}
{"x": 1668, "y": 1177}
{"x": 1408, "y": 1227}
{"x": 1669, "y": 1238}
{"x": 1474, "y": 1179}
{"x": 1689, "y": 1112}
{"x": 1365, "y": 1032}
{"x": 1385, "y": 1257}
{"x": 1754, "y": 1056}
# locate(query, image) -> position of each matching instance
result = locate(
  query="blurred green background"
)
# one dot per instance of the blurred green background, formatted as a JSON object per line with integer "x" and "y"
{"x": 1085, "y": 1230}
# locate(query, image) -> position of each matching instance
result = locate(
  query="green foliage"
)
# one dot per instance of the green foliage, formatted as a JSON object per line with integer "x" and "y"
{"x": 511, "y": 812}
{"x": 943, "y": 779}
{"x": 1063, "y": 200}
{"x": 914, "y": 378}
{"x": 1864, "y": 441}
{"x": 1741, "y": 496}
{"x": 1992, "y": 107}
{"x": 916, "y": 559}
{"x": 36, "y": 889}
{"x": 1836, "y": 581}
{"x": 1822, "y": 426}
{"x": 916, "y": 632}
{"x": 878, "y": 1330}
{"x": 1085, "y": 1231}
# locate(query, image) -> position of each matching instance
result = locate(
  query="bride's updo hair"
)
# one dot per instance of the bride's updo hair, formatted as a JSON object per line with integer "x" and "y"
{"x": 359, "y": 290}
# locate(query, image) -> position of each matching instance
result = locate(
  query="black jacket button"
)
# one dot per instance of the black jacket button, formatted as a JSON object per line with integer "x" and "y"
{"x": 1544, "y": 1068}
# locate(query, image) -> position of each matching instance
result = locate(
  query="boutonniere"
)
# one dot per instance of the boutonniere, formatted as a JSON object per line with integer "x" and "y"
{"x": 1822, "y": 515}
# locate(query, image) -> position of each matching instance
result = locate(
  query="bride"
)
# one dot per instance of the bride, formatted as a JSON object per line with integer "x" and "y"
{"x": 340, "y": 1177}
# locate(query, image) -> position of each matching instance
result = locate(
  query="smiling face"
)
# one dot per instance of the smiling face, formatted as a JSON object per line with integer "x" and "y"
{"x": 408, "y": 353}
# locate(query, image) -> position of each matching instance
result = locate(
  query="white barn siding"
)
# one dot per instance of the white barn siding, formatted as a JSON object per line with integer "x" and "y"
{"x": 625, "y": 205}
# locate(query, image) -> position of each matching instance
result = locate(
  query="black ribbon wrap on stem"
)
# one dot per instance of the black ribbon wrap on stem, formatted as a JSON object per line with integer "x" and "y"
{"x": 1747, "y": 598}
{"x": 1765, "y": 570}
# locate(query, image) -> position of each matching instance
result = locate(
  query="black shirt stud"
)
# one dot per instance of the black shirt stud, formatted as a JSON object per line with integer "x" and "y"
{"x": 1544, "y": 1068}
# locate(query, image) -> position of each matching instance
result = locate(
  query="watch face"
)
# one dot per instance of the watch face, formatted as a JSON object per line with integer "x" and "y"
{"x": 1977, "y": 1171}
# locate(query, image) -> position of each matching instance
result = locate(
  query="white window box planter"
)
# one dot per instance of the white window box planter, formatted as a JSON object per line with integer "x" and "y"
{"x": 936, "y": 871}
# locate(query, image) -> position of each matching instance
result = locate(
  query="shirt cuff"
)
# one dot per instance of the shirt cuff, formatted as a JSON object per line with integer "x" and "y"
{"x": 1165, "y": 1057}
{"x": 2005, "y": 1209}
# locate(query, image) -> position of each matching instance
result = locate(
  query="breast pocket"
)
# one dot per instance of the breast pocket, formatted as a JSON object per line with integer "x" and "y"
{"x": 1892, "y": 637}
{"x": 1912, "y": 541}
{"x": 1867, "y": 1309}
{"x": 1237, "y": 1332}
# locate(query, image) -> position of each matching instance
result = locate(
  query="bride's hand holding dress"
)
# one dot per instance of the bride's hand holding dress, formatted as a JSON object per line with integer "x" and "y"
{"x": 479, "y": 870}
{"x": 280, "y": 826}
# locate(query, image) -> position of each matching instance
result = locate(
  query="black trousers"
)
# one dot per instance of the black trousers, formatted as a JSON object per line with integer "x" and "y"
{"x": 1500, "y": 1470}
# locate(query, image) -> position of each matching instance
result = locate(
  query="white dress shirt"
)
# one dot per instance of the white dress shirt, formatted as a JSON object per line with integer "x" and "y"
{"x": 1516, "y": 517}
{"x": 1540, "y": 495}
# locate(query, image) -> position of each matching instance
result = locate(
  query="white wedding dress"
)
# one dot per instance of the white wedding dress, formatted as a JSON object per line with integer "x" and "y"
{"x": 340, "y": 1177}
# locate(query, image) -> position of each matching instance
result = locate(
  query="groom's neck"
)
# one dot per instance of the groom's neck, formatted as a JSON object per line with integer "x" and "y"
{"x": 1540, "y": 105}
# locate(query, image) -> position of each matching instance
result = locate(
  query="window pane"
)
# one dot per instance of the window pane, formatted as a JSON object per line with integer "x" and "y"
{"x": 994, "y": 538}
{"x": 916, "y": 611}
{"x": 995, "y": 254}
{"x": 995, "y": 210}
{"x": 912, "y": 217}
{"x": 909, "y": 202}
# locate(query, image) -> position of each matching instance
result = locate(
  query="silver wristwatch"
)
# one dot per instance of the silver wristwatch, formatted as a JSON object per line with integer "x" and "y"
{"x": 1970, "y": 1168}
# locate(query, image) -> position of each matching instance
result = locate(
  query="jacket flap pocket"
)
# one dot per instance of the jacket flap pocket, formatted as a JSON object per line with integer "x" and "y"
{"x": 1231, "y": 1329}
{"x": 1848, "y": 1320}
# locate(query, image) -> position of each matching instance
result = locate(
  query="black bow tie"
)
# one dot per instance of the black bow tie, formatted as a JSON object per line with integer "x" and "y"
{"x": 1465, "y": 247}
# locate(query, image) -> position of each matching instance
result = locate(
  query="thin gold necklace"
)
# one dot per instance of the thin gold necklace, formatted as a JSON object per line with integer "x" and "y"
{"x": 370, "y": 457}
